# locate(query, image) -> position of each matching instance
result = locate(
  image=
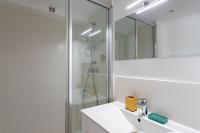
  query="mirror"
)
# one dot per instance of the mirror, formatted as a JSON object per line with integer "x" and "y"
{"x": 159, "y": 29}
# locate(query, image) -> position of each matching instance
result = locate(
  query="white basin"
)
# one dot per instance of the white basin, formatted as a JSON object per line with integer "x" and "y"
{"x": 143, "y": 124}
{"x": 114, "y": 118}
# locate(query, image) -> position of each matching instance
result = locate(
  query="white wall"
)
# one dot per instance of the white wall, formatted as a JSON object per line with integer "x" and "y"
{"x": 34, "y": 57}
{"x": 178, "y": 101}
{"x": 172, "y": 86}
{"x": 179, "y": 37}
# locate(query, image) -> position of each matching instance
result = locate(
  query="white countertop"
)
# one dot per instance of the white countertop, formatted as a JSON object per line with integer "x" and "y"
{"x": 110, "y": 117}
{"x": 103, "y": 115}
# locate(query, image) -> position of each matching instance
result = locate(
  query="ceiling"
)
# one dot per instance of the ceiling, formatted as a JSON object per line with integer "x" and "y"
{"x": 169, "y": 10}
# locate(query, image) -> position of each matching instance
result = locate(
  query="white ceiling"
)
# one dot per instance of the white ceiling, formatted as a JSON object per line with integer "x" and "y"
{"x": 181, "y": 8}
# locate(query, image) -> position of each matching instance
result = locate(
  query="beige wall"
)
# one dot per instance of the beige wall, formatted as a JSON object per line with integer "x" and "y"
{"x": 34, "y": 59}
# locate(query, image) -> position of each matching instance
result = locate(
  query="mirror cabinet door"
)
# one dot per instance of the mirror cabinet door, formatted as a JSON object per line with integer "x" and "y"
{"x": 125, "y": 35}
{"x": 170, "y": 29}
{"x": 133, "y": 39}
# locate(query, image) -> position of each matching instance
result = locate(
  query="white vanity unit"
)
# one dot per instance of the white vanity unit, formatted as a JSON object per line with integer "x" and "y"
{"x": 114, "y": 118}
{"x": 90, "y": 126}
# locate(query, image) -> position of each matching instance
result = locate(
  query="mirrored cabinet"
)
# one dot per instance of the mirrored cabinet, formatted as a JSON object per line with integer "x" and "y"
{"x": 134, "y": 39}
{"x": 170, "y": 30}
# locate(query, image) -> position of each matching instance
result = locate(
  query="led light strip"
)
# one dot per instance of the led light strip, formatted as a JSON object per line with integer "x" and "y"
{"x": 152, "y": 5}
{"x": 157, "y": 79}
{"x": 96, "y": 32}
{"x": 134, "y": 4}
{"x": 87, "y": 31}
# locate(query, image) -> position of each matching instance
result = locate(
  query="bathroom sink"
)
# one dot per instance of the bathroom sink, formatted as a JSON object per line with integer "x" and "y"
{"x": 114, "y": 118}
{"x": 143, "y": 124}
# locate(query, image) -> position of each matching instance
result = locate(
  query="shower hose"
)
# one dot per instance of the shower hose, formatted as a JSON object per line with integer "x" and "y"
{"x": 87, "y": 78}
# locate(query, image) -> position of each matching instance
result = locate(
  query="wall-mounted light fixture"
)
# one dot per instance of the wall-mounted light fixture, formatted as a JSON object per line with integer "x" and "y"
{"x": 134, "y": 4}
{"x": 150, "y": 6}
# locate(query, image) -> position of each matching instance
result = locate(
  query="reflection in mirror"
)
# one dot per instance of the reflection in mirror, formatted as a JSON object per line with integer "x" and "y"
{"x": 125, "y": 39}
{"x": 133, "y": 39}
{"x": 173, "y": 25}
{"x": 145, "y": 40}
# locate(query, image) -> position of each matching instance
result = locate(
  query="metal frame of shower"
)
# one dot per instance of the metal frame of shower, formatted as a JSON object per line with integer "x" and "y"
{"x": 109, "y": 36}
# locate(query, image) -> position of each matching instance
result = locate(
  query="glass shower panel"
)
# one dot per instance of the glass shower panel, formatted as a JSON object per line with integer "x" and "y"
{"x": 89, "y": 58}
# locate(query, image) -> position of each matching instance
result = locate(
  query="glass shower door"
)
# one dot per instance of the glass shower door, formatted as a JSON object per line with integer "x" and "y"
{"x": 89, "y": 58}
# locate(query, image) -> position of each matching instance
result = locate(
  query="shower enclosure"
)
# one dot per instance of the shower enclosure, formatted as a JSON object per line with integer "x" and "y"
{"x": 89, "y": 59}
{"x": 55, "y": 60}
